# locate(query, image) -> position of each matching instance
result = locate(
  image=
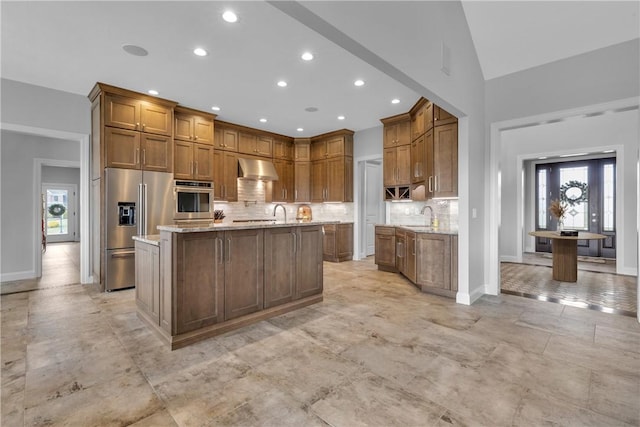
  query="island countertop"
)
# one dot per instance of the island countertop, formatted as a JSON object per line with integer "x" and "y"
{"x": 423, "y": 229}
{"x": 242, "y": 225}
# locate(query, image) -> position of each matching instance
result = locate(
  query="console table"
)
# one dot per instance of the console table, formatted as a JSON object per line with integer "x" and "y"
{"x": 565, "y": 252}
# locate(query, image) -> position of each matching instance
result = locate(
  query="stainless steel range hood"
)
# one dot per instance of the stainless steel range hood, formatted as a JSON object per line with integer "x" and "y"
{"x": 257, "y": 169}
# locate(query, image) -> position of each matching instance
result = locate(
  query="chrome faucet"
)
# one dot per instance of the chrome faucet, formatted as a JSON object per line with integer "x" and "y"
{"x": 432, "y": 218}
{"x": 283, "y": 210}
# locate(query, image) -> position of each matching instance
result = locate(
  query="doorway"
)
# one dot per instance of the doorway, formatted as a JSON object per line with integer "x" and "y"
{"x": 586, "y": 188}
{"x": 59, "y": 216}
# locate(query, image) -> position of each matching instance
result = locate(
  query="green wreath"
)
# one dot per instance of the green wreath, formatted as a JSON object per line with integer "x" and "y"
{"x": 574, "y": 192}
{"x": 57, "y": 209}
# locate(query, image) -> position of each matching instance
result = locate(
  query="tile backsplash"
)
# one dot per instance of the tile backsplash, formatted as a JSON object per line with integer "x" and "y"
{"x": 251, "y": 205}
{"x": 408, "y": 213}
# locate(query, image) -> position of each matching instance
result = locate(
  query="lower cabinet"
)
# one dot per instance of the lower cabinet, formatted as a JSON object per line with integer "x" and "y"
{"x": 428, "y": 260}
{"x": 292, "y": 264}
{"x": 148, "y": 280}
{"x": 243, "y": 278}
{"x": 338, "y": 242}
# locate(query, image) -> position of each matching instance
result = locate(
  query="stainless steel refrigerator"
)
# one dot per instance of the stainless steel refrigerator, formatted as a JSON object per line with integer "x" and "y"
{"x": 136, "y": 203}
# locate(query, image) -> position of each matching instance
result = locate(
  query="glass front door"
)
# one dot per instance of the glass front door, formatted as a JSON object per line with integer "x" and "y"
{"x": 59, "y": 212}
{"x": 587, "y": 190}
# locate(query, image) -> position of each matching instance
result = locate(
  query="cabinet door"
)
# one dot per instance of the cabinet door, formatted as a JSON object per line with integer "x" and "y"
{"x": 434, "y": 253}
{"x": 264, "y": 146}
{"x": 417, "y": 123}
{"x": 156, "y": 119}
{"x": 218, "y": 175}
{"x": 442, "y": 117}
{"x": 279, "y": 266}
{"x": 288, "y": 181}
{"x": 335, "y": 179}
{"x": 147, "y": 279}
{"x": 318, "y": 189}
{"x": 203, "y": 162}
{"x": 282, "y": 149}
{"x": 200, "y": 277}
{"x": 344, "y": 241}
{"x": 400, "y": 251}
{"x": 122, "y": 112}
{"x": 410, "y": 256}
{"x": 302, "y": 151}
{"x": 418, "y": 159}
{"x": 302, "y": 190}
{"x": 428, "y": 116}
{"x": 309, "y": 261}
{"x": 247, "y": 143}
{"x": 202, "y": 130}
{"x": 183, "y": 127}
{"x": 218, "y": 138}
{"x": 123, "y": 148}
{"x": 329, "y": 243}
{"x": 390, "y": 173}
{"x": 230, "y": 140}
{"x": 157, "y": 152}
{"x": 429, "y": 172}
{"x": 385, "y": 246}
{"x": 244, "y": 272}
{"x": 335, "y": 146}
{"x": 183, "y": 160}
{"x": 445, "y": 160}
{"x": 390, "y": 136}
{"x": 403, "y": 132}
{"x": 318, "y": 150}
{"x": 279, "y": 186}
{"x": 403, "y": 164}
{"x": 231, "y": 177}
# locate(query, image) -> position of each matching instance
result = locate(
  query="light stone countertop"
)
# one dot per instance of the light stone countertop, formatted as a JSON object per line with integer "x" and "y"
{"x": 209, "y": 226}
{"x": 151, "y": 239}
{"x": 423, "y": 229}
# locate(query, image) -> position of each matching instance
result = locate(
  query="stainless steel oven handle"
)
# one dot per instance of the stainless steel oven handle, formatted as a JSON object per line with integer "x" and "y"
{"x": 126, "y": 254}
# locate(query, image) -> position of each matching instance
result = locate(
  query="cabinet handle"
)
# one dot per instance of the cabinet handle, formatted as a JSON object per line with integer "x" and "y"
{"x": 228, "y": 250}
{"x": 136, "y": 157}
{"x": 144, "y": 156}
{"x": 295, "y": 194}
{"x": 221, "y": 251}
{"x": 436, "y": 186}
{"x": 190, "y": 168}
{"x": 430, "y": 188}
{"x": 295, "y": 242}
{"x": 286, "y": 194}
{"x": 196, "y": 173}
{"x": 143, "y": 126}
{"x": 137, "y": 126}
{"x": 195, "y": 137}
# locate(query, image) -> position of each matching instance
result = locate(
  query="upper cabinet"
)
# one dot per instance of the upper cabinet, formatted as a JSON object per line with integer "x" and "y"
{"x": 139, "y": 115}
{"x": 397, "y": 156}
{"x": 332, "y": 167}
{"x": 225, "y": 138}
{"x": 442, "y": 117}
{"x": 194, "y": 126}
{"x": 302, "y": 150}
{"x": 397, "y": 130}
{"x": 282, "y": 149}
{"x": 421, "y": 118}
{"x": 339, "y": 143}
{"x": 257, "y": 145}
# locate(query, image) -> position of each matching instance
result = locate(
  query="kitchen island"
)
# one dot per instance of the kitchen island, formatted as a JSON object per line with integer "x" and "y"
{"x": 195, "y": 281}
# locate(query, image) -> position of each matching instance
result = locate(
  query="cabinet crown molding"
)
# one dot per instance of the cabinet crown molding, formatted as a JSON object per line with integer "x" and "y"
{"x": 188, "y": 110}
{"x": 397, "y": 118}
{"x": 419, "y": 104}
{"x": 105, "y": 88}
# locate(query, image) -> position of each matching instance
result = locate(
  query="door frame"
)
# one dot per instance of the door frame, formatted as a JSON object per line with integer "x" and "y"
{"x": 73, "y": 206}
{"x": 359, "y": 230}
{"x": 494, "y": 171}
{"x": 83, "y": 164}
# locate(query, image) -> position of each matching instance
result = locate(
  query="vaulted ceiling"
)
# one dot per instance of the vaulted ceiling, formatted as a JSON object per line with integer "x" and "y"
{"x": 70, "y": 45}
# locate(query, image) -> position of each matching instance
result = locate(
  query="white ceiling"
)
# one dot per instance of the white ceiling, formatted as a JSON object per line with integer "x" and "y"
{"x": 511, "y": 36}
{"x": 70, "y": 45}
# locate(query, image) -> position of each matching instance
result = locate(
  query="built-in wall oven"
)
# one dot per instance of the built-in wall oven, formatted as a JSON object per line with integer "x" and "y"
{"x": 193, "y": 200}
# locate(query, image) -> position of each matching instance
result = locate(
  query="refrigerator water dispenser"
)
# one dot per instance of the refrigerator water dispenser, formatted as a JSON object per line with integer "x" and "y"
{"x": 127, "y": 213}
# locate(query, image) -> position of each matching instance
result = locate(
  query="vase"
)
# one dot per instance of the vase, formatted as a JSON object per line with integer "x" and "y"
{"x": 560, "y": 224}
{"x": 217, "y": 221}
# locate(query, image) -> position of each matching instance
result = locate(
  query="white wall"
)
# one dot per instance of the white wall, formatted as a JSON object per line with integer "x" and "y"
{"x": 61, "y": 175}
{"x": 18, "y": 226}
{"x": 367, "y": 143}
{"x": 575, "y": 135}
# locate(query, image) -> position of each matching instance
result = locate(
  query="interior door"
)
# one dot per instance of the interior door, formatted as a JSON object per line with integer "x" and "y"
{"x": 59, "y": 212}
{"x": 372, "y": 205}
{"x": 588, "y": 188}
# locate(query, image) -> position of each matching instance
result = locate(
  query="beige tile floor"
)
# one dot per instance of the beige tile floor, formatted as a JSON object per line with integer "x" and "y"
{"x": 376, "y": 352}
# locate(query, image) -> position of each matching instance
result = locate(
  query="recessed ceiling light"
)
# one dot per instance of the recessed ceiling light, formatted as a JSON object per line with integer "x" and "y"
{"x": 215, "y": 108}
{"x": 340, "y": 117}
{"x": 134, "y": 50}
{"x": 263, "y": 120}
{"x": 200, "y": 51}
{"x": 307, "y": 56}
{"x": 153, "y": 92}
{"x": 300, "y": 129}
{"x": 282, "y": 83}
{"x": 395, "y": 101}
{"x": 229, "y": 16}
{"x": 359, "y": 82}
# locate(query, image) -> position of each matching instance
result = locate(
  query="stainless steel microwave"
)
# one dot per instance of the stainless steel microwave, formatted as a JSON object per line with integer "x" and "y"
{"x": 193, "y": 200}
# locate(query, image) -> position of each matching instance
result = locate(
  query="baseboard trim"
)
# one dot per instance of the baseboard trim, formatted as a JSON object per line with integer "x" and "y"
{"x": 18, "y": 275}
{"x": 468, "y": 299}
{"x": 509, "y": 258}
{"x": 627, "y": 271}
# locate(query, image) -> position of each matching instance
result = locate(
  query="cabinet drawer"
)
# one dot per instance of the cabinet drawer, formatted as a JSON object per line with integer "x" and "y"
{"x": 390, "y": 231}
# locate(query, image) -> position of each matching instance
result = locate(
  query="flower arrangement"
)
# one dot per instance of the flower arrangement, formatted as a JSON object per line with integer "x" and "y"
{"x": 558, "y": 209}
{"x": 218, "y": 215}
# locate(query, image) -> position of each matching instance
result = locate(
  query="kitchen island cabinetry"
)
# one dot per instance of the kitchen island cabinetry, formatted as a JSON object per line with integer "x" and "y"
{"x": 204, "y": 280}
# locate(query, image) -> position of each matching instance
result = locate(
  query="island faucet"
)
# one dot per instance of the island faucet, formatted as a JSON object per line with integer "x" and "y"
{"x": 433, "y": 221}
{"x": 283, "y": 210}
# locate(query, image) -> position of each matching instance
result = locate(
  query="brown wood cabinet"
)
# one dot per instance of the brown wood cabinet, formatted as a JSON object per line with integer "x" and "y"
{"x": 385, "y": 251}
{"x": 332, "y": 180}
{"x": 225, "y": 174}
{"x": 338, "y": 242}
{"x": 302, "y": 149}
{"x": 420, "y": 167}
{"x": 397, "y": 165}
{"x": 445, "y": 160}
{"x": 133, "y": 113}
{"x": 442, "y": 117}
{"x": 302, "y": 181}
{"x": 193, "y": 161}
{"x": 336, "y": 144}
{"x": 225, "y": 138}
{"x": 293, "y": 264}
{"x": 244, "y": 272}
{"x": 147, "y": 273}
{"x": 128, "y": 149}
{"x": 283, "y": 188}
{"x": 257, "y": 145}
{"x": 282, "y": 149}
{"x": 397, "y": 130}
{"x": 410, "y": 259}
{"x": 193, "y": 125}
{"x": 434, "y": 252}
{"x": 401, "y": 250}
